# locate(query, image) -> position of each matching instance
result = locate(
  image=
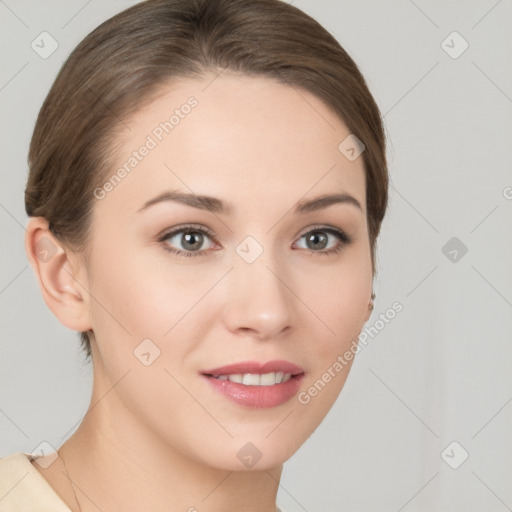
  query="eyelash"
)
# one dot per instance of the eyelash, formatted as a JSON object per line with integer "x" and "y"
{"x": 343, "y": 238}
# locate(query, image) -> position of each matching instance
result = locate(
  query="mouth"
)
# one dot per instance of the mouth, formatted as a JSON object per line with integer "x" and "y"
{"x": 257, "y": 385}
{"x": 253, "y": 373}
{"x": 255, "y": 379}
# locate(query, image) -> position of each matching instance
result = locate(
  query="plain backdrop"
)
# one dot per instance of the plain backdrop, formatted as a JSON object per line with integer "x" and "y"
{"x": 424, "y": 420}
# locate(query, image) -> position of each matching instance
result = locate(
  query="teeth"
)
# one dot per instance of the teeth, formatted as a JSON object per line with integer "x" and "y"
{"x": 266, "y": 379}
{"x": 255, "y": 379}
{"x": 251, "y": 379}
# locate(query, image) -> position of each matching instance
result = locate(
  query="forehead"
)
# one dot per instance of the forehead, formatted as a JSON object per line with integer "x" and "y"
{"x": 243, "y": 138}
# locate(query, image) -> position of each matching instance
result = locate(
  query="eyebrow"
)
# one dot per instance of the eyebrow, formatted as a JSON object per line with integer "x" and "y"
{"x": 215, "y": 205}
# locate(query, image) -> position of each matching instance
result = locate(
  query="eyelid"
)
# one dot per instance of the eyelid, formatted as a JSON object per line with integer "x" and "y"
{"x": 344, "y": 236}
{"x": 201, "y": 228}
{"x": 166, "y": 233}
{"x": 344, "y": 239}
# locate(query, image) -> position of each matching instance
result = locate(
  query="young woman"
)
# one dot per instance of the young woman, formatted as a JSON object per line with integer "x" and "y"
{"x": 207, "y": 183}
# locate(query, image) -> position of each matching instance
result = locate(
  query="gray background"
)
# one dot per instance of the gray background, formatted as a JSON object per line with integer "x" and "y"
{"x": 440, "y": 370}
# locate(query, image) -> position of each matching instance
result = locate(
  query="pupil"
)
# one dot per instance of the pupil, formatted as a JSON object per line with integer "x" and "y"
{"x": 315, "y": 237}
{"x": 189, "y": 240}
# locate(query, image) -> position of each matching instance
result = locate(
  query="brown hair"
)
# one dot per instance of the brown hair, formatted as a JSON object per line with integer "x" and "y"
{"x": 121, "y": 64}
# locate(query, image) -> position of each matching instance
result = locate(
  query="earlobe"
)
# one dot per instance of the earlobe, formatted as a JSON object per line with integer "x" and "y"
{"x": 61, "y": 278}
{"x": 370, "y": 306}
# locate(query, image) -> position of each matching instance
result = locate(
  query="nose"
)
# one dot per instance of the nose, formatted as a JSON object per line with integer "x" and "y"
{"x": 260, "y": 303}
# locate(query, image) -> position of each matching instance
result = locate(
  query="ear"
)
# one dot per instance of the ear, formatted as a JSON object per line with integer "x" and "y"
{"x": 61, "y": 276}
{"x": 370, "y": 310}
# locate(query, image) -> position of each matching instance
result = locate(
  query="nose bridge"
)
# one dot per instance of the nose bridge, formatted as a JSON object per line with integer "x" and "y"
{"x": 258, "y": 299}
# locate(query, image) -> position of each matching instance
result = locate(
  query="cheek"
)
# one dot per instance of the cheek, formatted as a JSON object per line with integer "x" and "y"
{"x": 144, "y": 324}
{"x": 153, "y": 310}
{"x": 338, "y": 299}
{"x": 149, "y": 297}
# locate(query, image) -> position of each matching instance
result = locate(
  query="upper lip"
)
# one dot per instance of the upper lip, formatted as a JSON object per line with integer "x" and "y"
{"x": 255, "y": 367}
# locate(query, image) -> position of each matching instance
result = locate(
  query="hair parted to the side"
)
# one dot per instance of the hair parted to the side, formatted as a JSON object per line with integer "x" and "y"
{"x": 120, "y": 64}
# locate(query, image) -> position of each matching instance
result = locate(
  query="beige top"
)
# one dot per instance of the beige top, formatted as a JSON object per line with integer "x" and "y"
{"x": 24, "y": 489}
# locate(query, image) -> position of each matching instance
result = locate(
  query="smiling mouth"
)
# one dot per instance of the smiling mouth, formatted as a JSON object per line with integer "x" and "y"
{"x": 256, "y": 379}
{"x": 256, "y": 390}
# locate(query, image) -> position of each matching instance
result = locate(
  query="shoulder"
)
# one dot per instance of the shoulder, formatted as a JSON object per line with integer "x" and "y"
{"x": 23, "y": 488}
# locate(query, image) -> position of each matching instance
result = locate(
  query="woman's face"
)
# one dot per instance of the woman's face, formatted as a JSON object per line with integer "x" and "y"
{"x": 256, "y": 281}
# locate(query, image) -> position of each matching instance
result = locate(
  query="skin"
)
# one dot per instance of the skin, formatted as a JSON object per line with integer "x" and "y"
{"x": 158, "y": 437}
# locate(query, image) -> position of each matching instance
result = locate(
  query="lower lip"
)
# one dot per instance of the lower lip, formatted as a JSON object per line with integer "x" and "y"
{"x": 258, "y": 397}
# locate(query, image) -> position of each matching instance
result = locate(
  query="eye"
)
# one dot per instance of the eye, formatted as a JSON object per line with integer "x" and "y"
{"x": 317, "y": 240}
{"x": 191, "y": 240}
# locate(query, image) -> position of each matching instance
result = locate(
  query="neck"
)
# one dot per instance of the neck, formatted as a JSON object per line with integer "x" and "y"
{"x": 118, "y": 463}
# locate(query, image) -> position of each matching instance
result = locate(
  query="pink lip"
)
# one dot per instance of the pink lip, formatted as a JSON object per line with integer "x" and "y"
{"x": 255, "y": 367}
{"x": 257, "y": 396}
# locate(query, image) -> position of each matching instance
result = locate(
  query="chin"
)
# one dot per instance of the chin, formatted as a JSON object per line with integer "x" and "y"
{"x": 257, "y": 454}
